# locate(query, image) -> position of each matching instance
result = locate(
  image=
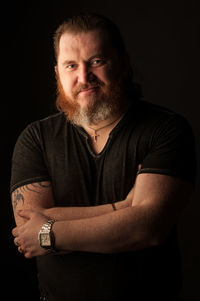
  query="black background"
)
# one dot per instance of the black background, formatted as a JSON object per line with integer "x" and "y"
{"x": 163, "y": 39}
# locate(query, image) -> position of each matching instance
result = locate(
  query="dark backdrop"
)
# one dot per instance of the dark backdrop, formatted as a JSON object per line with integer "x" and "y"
{"x": 163, "y": 40}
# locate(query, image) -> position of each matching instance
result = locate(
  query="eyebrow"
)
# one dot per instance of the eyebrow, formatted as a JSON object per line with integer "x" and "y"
{"x": 68, "y": 62}
{"x": 96, "y": 55}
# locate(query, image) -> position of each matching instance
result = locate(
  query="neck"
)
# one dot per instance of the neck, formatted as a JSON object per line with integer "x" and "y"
{"x": 99, "y": 130}
{"x": 104, "y": 123}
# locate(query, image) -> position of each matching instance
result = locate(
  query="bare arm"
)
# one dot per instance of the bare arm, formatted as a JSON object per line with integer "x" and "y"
{"x": 157, "y": 203}
{"x": 35, "y": 196}
{"x": 39, "y": 197}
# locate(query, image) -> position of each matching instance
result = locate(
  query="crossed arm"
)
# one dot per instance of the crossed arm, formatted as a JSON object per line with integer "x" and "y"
{"x": 143, "y": 219}
{"x": 39, "y": 197}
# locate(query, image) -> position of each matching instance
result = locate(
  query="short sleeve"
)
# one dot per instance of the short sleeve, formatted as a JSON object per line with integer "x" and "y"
{"x": 28, "y": 161}
{"x": 172, "y": 150}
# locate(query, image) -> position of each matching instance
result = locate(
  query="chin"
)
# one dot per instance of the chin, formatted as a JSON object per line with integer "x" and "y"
{"x": 86, "y": 101}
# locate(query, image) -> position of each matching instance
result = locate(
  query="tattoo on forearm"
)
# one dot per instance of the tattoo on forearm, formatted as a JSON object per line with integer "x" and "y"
{"x": 18, "y": 194}
{"x": 17, "y": 197}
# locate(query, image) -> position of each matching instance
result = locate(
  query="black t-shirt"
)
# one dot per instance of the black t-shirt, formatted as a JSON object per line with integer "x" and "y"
{"x": 53, "y": 149}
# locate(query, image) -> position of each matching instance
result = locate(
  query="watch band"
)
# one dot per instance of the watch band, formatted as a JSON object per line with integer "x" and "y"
{"x": 48, "y": 225}
{"x": 46, "y": 229}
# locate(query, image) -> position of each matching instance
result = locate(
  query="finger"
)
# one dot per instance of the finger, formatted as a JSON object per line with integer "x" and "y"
{"x": 25, "y": 213}
{"x": 20, "y": 250}
{"x": 15, "y": 231}
{"x": 17, "y": 242}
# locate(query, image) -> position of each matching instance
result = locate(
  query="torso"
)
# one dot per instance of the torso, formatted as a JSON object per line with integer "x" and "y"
{"x": 88, "y": 173}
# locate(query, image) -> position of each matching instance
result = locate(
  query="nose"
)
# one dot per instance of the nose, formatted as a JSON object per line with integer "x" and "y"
{"x": 84, "y": 74}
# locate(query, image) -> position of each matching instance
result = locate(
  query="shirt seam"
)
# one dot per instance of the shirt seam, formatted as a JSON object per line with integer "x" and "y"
{"x": 28, "y": 181}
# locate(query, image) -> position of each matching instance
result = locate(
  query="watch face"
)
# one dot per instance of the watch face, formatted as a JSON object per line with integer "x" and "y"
{"x": 45, "y": 240}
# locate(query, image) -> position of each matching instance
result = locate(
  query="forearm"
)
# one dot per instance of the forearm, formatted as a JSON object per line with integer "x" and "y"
{"x": 119, "y": 231}
{"x": 39, "y": 197}
{"x": 74, "y": 213}
{"x": 156, "y": 205}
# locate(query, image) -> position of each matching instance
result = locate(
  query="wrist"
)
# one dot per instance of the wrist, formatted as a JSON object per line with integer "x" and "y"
{"x": 59, "y": 242}
{"x": 46, "y": 236}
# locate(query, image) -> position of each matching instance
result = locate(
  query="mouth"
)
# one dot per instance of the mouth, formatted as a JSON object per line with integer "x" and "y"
{"x": 88, "y": 91}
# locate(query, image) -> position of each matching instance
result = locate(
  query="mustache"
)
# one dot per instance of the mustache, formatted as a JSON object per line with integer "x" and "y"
{"x": 82, "y": 87}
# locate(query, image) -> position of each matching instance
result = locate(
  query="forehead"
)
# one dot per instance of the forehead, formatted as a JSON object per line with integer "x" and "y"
{"x": 85, "y": 44}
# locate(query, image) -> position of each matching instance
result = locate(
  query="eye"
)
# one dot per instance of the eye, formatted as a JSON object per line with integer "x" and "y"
{"x": 97, "y": 62}
{"x": 71, "y": 66}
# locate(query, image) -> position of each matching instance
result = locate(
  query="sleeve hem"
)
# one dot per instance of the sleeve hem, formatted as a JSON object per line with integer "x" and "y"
{"x": 29, "y": 181}
{"x": 166, "y": 172}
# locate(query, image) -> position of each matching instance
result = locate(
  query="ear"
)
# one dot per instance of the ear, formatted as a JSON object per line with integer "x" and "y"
{"x": 56, "y": 69}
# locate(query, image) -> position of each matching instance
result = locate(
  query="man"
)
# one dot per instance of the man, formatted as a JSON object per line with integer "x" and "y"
{"x": 98, "y": 187}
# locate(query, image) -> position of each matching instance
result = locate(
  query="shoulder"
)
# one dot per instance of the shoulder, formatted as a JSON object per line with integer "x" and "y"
{"x": 168, "y": 142}
{"x": 152, "y": 116}
{"x": 41, "y": 132}
{"x": 53, "y": 122}
{"x": 46, "y": 127}
{"x": 151, "y": 110}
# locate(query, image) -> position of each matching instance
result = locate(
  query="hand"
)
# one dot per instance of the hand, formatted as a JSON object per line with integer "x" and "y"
{"x": 26, "y": 236}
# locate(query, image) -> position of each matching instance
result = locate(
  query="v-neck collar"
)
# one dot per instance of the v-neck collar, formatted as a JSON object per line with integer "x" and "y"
{"x": 113, "y": 132}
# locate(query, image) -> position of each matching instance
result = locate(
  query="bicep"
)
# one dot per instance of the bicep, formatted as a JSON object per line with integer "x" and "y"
{"x": 35, "y": 196}
{"x": 163, "y": 197}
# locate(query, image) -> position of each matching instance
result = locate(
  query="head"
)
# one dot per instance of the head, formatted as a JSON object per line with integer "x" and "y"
{"x": 94, "y": 76}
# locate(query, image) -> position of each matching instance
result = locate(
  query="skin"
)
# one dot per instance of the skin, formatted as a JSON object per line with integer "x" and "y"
{"x": 83, "y": 58}
{"x": 142, "y": 220}
{"x": 37, "y": 200}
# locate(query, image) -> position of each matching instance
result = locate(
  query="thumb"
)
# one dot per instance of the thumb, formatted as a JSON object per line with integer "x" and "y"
{"x": 25, "y": 213}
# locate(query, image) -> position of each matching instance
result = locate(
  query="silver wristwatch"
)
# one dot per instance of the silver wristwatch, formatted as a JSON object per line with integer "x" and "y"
{"x": 45, "y": 236}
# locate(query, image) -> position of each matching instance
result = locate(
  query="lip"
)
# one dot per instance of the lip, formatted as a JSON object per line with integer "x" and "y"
{"x": 87, "y": 91}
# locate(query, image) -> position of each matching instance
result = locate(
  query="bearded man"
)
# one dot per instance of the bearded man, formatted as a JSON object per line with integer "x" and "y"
{"x": 97, "y": 188}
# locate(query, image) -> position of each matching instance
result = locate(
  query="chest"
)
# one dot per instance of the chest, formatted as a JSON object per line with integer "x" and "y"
{"x": 81, "y": 177}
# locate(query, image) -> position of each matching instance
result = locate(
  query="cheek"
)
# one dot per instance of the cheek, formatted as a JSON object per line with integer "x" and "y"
{"x": 105, "y": 75}
{"x": 112, "y": 73}
{"x": 67, "y": 84}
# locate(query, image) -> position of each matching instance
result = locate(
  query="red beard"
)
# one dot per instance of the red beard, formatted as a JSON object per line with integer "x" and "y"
{"x": 103, "y": 103}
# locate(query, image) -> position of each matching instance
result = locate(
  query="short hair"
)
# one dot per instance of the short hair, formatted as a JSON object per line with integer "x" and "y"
{"x": 87, "y": 22}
